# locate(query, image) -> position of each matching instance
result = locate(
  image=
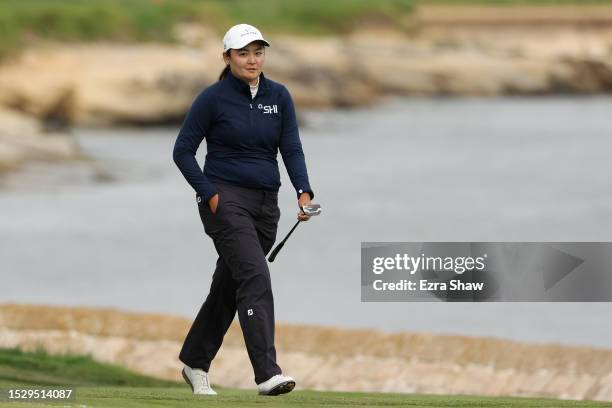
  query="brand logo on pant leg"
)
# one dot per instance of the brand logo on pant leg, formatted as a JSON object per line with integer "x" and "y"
{"x": 250, "y": 312}
{"x": 199, "y": 199}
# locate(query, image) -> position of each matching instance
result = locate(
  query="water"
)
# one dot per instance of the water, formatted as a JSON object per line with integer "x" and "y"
{"x": 416, "y": 170}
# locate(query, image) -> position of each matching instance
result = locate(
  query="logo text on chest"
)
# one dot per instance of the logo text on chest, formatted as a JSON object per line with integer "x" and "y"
{"x": 268, "y": 108}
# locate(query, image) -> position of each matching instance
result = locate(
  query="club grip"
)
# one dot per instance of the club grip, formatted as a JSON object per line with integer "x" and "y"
{"x": 275, "y": 251}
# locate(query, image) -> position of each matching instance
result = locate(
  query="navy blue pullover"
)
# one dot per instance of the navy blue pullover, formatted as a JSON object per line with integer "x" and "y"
{"x": 243, "y": 137}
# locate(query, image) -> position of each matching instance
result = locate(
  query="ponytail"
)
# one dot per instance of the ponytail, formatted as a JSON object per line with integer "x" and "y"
{"x": 226, "y": 69}
{"x": 224, "y": 72}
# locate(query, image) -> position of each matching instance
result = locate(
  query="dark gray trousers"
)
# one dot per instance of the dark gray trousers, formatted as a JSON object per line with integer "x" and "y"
{"x": 243, "y": 230}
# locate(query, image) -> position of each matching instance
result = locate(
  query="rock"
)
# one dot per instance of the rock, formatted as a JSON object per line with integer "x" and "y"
{"x": 102, "y": 84}
{"x": 24, "y": 138}
{"x": 107, "y": 84}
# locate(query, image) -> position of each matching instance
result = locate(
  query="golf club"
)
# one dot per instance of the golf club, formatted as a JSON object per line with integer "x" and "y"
{"x": 311, "y": 210}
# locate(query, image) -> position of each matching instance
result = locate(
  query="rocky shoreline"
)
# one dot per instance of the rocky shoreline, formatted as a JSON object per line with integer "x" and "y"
{"x": 111, "y": 84}
{"x": 323, "y": 358}
{"x": 491, "y": 52}
{"x": 24, "y": 138}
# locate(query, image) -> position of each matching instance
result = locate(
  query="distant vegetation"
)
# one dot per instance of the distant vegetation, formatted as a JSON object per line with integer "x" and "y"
{"x": 23, "y": 22}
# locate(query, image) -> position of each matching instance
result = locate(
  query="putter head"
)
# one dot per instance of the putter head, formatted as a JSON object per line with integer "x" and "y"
{"x": 312, "y": 209}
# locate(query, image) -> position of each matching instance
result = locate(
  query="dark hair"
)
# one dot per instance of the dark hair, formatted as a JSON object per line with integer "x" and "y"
{"x": 224, "y": 72}
{"x": 226, "y": 69}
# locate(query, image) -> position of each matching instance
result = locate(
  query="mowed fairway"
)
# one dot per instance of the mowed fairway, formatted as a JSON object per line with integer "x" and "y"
{"x": 103, "y": 385}
{"x": 138, "y": 397}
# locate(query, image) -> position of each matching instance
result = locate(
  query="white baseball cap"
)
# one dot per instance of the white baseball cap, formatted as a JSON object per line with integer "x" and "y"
{"x": 241, "y": 35}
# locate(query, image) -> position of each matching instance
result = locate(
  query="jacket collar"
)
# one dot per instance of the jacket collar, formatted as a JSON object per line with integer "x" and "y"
{"x": 243, "y": 87}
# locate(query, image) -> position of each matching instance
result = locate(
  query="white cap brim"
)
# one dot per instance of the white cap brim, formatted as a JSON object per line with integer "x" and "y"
{"x": 242, "y": 44}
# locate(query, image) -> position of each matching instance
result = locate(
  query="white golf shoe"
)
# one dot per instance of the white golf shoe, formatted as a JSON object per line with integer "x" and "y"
{"x": 198, "y": 381}
{"x": 279, "y": 384}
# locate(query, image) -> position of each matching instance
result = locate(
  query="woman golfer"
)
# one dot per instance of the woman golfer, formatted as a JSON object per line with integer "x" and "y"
{"x": 246, "y": 119}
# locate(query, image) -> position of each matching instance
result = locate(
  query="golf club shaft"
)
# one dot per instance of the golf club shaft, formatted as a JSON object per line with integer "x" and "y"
{"x": 276, "y": 250}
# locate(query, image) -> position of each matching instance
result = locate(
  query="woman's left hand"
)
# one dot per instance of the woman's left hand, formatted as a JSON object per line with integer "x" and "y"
{"x": 302, "y": 201}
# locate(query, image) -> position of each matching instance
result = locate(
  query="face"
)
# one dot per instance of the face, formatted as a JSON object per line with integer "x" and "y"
{"x": 247, "y": 63}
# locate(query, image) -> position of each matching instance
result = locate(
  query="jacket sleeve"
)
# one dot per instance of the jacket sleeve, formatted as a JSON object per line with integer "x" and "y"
{"x": 194, "y": 129}
{"x": 291, "y": 147}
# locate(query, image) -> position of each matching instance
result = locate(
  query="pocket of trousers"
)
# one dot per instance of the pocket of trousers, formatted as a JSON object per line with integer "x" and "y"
{"x": 205, "y": 206}
{"x": 211, "y": 222}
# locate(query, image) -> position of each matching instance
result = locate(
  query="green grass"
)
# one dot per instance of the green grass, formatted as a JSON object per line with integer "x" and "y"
{"x": 515, "y": 2}
{"x": 105, "y": 385}
{"x": 171, "y": 397}
{"x": 24, "y": 22}
{"x": 40, "y": 368}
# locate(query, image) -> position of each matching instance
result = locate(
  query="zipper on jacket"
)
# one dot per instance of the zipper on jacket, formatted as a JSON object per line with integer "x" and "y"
{"x": 251, "y": 106}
